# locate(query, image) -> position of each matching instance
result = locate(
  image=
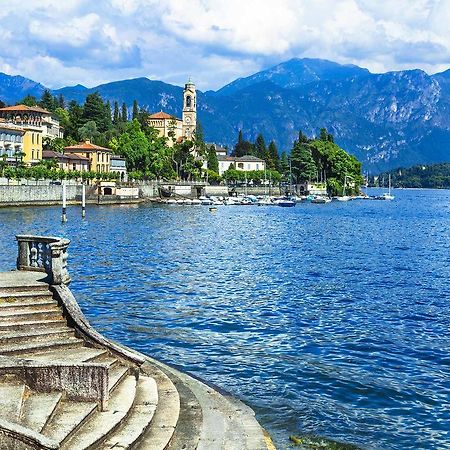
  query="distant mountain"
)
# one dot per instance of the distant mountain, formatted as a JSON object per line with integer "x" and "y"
{"x": 387, "y": 120}
{"x": 14, "y": 88}
{"x": 153, "y": 95}
{"x": 296, "y": 73}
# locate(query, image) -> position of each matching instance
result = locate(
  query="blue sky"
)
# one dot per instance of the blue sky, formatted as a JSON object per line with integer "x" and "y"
{"x": 66, "y": 42}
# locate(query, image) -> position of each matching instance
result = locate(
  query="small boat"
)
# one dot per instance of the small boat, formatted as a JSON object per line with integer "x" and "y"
{"x": 265, "y": 201}
{"x": 387, "y": 195}
{"x": 320, "y": 199}
{"x": 196, "y": 201}
{"x": 284, "y": 201}
{"x": 343, "y": 198}
{"x": 172, "y": 201}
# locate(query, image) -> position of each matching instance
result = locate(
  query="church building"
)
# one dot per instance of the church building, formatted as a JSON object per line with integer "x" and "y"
{"x": 173, "y": 128}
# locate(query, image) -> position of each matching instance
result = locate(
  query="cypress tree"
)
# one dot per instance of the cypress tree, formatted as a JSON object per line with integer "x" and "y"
{"x": 260, "y": 147}
{"x": 135, "y": 110}
{"x": 124, "y": 112}
{"x": 213, "y": 162}
{"x": 116, "y": 115}
{"x": 272, "y": 152}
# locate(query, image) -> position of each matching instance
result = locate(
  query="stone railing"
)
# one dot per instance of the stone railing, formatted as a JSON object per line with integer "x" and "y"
{"x": 44, "y": 254}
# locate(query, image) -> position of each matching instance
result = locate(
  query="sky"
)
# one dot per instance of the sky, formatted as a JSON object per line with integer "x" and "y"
{"x": 66, "y": 42}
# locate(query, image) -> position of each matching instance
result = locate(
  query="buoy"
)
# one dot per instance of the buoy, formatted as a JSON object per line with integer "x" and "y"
{"x": 213, "y": 209}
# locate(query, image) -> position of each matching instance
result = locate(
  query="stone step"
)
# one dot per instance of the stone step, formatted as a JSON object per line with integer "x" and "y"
{"x": 28, "y": 305}
{"x": 68, "y": 417}
{"x": 44, "y": 313}
{"x": 39, "y": 288}
{"x": 102, "y": 424}
{"x": 35, "y": 325}
{"x": 161, "y": 429}
{"x": 38, "y": 408}
{"x": 79, "y": 354}
{"x": 190, "y": 422}
{"x": 35, "y": 335}
{"x": 107, "y": 359}
{"x": 115, "y": 375}
{"x": 24, "y": 298}
{"x": 50, "y": 343}
{"x": 11, "y": 398}
{"x": 227, "y": 422}
{"x": 139, "y": 419}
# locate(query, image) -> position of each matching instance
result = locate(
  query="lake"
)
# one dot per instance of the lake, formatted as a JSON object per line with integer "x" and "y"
{"x": 326, "y": 319}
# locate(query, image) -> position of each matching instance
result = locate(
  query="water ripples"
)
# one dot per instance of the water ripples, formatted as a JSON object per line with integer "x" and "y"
{"x": 331, "y": 319}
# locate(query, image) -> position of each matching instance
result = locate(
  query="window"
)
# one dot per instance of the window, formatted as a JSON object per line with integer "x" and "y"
{"x": 32, "y": 138}
{"x": 241, "y": 165}
{"x": 188, "y": 101}
{"x": 257, "y": 166}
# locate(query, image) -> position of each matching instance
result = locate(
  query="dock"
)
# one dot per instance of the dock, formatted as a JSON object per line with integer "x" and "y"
{"x": 65, "y": 386}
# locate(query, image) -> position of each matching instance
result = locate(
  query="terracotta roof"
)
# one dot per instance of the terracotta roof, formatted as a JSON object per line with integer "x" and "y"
{"x": 86, "y": 147}
{"x": 50, "y": 154}
{"x": 162, "y": 115}
{"x": 24, "y": 108}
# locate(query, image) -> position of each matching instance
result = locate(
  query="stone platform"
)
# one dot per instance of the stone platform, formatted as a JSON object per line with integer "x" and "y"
{"x": 65, "y": 386}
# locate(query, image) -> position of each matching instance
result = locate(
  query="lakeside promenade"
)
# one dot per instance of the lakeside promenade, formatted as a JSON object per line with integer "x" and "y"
{"x": 63, "y": 385}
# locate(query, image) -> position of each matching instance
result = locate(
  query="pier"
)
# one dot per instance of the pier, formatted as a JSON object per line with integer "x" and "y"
{"x": 65, "y": 386}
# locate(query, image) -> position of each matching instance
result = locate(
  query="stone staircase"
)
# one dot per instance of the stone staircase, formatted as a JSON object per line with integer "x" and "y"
{"x": 149, "y": 405}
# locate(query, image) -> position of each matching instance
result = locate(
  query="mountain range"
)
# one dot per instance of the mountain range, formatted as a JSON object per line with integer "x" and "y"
{"x": 386, "y": 120}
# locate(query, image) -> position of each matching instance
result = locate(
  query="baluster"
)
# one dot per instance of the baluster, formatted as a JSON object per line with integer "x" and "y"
{"x": 33, "y": 255}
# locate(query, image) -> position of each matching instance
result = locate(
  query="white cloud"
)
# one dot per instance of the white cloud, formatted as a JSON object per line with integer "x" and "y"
{"x": 61, "y": 42}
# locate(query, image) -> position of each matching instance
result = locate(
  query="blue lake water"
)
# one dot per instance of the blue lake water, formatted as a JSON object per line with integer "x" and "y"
{"x": 327, "y": 319}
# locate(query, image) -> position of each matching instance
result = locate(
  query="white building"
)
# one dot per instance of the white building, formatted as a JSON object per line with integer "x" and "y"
{"x": 244, "y": 163}
{"x": 11, "y": 143}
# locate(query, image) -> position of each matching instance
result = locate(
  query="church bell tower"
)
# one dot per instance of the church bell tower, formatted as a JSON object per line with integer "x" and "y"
{"x": 189, "y": 110}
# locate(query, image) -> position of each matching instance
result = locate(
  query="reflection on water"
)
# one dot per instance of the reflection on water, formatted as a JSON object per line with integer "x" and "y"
{"x": 326, "y": 319}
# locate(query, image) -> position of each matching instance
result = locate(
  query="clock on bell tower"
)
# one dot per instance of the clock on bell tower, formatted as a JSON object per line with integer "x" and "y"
{"x": 189, "y": 117}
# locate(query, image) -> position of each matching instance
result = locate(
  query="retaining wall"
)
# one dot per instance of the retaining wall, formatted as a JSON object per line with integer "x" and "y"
{"x": 32, "y": 195}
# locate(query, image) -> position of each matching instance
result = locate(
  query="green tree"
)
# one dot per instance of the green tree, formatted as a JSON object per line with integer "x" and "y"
{"x": 116, "y": 114}
{"x": 75, "y": 121}
{"x": 95, "y": 110}
{"x": 61, "y": 101}
{"x": 213, "y": 162}
{"x": 284, "y": 164}
{"x": 272, "y": 157}
{"x": 29, "y": 100}
{"x": 124, "y": 114}
{"x": 260, "y": 147}
{"x": 133, "y": 145}
{"x": 303, "y": 165}
{"x": 89, "y": 131}
{"x": 48, "y": 102}
{"x": 135, "y": 110}
{"x": 242, "y": 147}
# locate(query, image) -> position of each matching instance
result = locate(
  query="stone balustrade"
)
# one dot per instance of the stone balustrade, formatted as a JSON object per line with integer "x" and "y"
{"x": 44, "y": 254}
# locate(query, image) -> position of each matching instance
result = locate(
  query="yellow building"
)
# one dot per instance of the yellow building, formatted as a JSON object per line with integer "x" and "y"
{"x": 37, "y": 123}
{"x": 32, "y": 145}
{"x": 173, "y": 128}
{"x": 99, "y": 157}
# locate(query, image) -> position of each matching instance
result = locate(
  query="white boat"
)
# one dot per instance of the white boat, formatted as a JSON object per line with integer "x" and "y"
{"x": 180, "y": 201}
{"x": 265, "y": 201}
{"x": 343, "y": 198}
{"x": 320, "y": 199}
{"x": 387, "y": 195}
{"x": 196, "y": 201}
{"x": 172, "y": 201}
